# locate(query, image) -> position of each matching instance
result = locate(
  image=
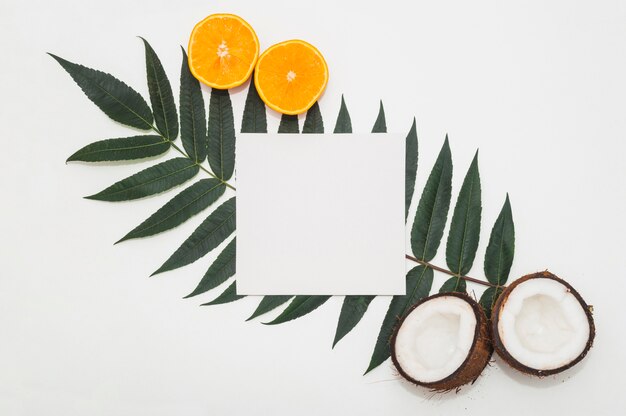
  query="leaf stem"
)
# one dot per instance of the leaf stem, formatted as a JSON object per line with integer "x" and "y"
{"x": 171, "y": 142}
{"x": 446, "y": 271}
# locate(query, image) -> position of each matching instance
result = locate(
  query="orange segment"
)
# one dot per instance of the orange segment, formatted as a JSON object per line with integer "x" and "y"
{"x": 223, "y": 50}
{"x": 290, "y": 76}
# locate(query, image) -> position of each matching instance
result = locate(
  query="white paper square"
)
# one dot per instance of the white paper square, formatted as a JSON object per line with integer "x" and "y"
{"x": 320, "y": 214}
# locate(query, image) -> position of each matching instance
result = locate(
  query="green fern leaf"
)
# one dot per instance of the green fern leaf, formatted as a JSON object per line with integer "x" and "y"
{"x": 489, "y": 298}
{"x": 269, "y": 303}
{"x": 156, "y": 179}
{"x": 229, "y": 295}
{"x": 343, "y": 124}
{"x": 454, "y": 284}
{"x": 193, "y": 122}
{"x": 221, "y": 135}
{"x": 220, "y": 271}
{"x": 352, "y": 311}
{"x": 432, "y": 210}
{"x": 501, "y": 247}
{"x": 410, "y": 168}
{"x": 179, "y": 209}
{"x": 125, "y": 148}
{"x": 465, "y": 227}
{"x": 313, "y": 122}
{"x": 299, "y": 306}
{"x": 116, "y": 99}
{"x": 289, "y": 124}
{"x": 161, "y": 97}
{"x": 380, "y": 126}
{"x": 254, "y": 115}
{"x": 211, "y": 233}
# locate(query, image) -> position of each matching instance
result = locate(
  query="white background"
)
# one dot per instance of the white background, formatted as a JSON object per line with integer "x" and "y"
{"x": 307, "y": 221}
{"x": 538, "y": 86}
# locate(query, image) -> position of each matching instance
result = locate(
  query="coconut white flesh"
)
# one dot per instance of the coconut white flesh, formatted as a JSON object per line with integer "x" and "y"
{"x": 435, "y": 338}
{"x": 542, "y": 325}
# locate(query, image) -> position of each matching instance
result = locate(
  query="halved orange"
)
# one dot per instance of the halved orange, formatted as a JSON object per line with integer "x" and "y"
{"x": 223, "y": 50}
{"x": 290, "y": 76}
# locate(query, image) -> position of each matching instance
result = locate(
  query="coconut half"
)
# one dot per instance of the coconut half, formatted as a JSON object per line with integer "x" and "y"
{"x": 541, "y": 325}
{"x": 442, "y": 342}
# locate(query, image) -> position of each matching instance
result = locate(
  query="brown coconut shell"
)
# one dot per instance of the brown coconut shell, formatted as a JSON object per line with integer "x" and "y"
{"x": 476, "y": 360}
{"x": 497, "y": 341}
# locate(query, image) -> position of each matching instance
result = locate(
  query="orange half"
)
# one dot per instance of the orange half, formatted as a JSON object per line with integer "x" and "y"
{"x": 290, "y": 76}
{"x": 223, "y": 50}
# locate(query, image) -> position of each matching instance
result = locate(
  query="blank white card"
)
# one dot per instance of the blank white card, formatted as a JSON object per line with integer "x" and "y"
{"x": 320, "y": 214}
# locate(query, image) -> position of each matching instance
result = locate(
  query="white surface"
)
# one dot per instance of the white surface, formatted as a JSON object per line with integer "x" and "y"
{"x": 538, "y": 86}
{"x": 543, "y": 325}
{"x": 311, "y": 221}
{"x": 435, "y": 338}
